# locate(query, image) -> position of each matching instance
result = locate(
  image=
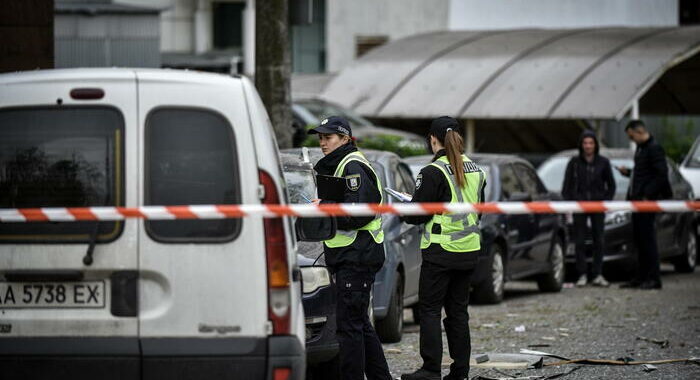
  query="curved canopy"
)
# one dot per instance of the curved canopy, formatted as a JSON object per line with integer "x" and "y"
{"x": 513, "y": 74}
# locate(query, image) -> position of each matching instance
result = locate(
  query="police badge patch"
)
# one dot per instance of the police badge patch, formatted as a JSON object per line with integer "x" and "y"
{"x": 353, "y": 182}
{"x": 419, "y": 181}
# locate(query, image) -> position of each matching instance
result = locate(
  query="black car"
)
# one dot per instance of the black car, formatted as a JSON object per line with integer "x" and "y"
{"x": 676, "y": 232}
{"x": 318, "y": 287}
{"x": 529, "y": 246}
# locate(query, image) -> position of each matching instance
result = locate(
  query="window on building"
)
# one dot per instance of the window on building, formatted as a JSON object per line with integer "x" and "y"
{"x": 689, "y": 12}
{"x": 228, "y": 25}
{"x": 308, "y": 35}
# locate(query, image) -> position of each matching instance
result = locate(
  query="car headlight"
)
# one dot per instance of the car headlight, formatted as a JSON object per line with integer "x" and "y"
{"x": 313, "y": 278}
{"x": 617, "y": 217}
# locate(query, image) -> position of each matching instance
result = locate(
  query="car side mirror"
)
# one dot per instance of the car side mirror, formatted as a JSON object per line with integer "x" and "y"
{"x": 315, "y": 229}
{"x": 520, "y": 197}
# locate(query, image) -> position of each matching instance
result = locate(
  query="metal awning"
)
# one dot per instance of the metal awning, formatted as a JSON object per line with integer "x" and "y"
{"x": 513, "y": 74}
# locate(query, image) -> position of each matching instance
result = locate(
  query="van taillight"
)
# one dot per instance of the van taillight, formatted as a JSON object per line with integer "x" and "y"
{"x": 277, "y": 266}
{"x": 87, "y": 93}
{"x": 281, "y": 373}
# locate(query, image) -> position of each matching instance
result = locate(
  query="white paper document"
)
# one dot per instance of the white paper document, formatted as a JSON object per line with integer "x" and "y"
{"x": 398, "y": 195}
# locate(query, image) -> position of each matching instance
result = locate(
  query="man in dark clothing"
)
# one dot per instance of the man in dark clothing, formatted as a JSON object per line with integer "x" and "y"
{"x": 355, "y": 253}
{"x": 589, "y": 178}
{"x": 649, "y": 182}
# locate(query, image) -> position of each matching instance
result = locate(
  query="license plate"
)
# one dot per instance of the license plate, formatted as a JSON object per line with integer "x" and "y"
{"x": 46, "y": 295}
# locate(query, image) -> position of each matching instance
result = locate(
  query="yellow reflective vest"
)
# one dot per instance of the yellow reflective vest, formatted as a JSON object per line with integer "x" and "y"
{"x": 458, "y": 232}
{"x": 345, "y": 238}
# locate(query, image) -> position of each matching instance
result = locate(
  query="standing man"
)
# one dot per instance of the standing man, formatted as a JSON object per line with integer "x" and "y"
{"x": 450, "y": 247}
{"x": 355, "y": 253}
{"x": 649, "y": 182}
{"x": 589, "y": 178}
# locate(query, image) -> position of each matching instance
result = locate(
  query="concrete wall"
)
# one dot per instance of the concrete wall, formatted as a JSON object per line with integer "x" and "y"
{"x": 347, "y": 19}
{"x": 510, "y": 14}
{"x": 106, "y": 40}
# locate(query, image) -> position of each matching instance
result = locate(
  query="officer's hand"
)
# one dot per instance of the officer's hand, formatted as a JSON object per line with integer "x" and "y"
{"x": 624, "y": 170}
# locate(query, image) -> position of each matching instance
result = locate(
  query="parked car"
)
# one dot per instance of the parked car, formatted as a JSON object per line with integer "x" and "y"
{"x": 690, "y": 168}
{"x": 318, "y": 286}
{"x": 312, "y": 111}
{"x": 514, "y": 247}
{"x": 676, "y": 232}
{"x": 396, "y": 284}
{"x": 142, "y": 299}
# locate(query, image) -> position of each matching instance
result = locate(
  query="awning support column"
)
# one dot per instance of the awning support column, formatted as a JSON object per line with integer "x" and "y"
{"x": 469, "y": 137}
{"x": 635, "y": 109}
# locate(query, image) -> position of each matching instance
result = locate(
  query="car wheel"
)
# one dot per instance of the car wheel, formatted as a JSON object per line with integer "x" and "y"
{"x": 553, "y": 280}
{"x": 686, "y": 262}
{"x": 390, "y": 328}
{"x": 490, "y": 291}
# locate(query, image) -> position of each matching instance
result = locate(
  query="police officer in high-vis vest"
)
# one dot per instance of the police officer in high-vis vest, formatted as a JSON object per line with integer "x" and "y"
{"x": 450, "y": 247}
{"x": 356, "y": 252}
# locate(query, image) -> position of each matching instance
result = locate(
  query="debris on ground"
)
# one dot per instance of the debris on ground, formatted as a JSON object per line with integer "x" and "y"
{"x": 506, "y": 361}
{"x": 481, "y": 358}
{"x": 649, "y": 367}
{"x": 393, "y": 351}
{"x": 662, "y": 343}
{"x": 520, "y": 328}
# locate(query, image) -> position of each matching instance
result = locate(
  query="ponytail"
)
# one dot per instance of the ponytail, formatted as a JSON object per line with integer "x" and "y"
{"x": 454, "y": 146}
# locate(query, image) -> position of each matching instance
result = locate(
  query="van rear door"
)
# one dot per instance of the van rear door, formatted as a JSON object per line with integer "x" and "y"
{"x": 204, "y": 284}
{"x": 58, "y": 150}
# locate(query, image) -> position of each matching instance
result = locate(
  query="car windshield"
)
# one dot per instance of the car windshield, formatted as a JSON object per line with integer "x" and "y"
{"x": 552, "y": 174}
{"x": 322, "y": 110}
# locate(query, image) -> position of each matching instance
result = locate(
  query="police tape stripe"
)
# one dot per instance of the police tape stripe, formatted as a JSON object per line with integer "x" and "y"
{"x": 61, "y": 214}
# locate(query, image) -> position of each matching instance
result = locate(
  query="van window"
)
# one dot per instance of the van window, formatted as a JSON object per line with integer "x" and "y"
{"x": 61, "y": 157}
{"x": 190, "y": 159}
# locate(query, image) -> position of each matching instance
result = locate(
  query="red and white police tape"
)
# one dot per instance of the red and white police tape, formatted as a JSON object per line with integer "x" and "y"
{"x": 70, "y": 214}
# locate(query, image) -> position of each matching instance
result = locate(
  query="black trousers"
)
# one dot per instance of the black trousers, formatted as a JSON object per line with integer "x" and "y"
{"x": 360, "y": 350}
{"x": 597, "y": 227}
{"x": 449, "y": 288}
{"x": 644, "y": 229}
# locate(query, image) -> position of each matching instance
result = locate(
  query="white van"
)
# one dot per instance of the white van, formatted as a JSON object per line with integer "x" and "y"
{"x": 139, "y": 299}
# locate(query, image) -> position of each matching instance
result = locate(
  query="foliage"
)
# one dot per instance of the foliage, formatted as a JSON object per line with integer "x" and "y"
{"x": 677, "y": 137}
{"x": 399, "y": 145}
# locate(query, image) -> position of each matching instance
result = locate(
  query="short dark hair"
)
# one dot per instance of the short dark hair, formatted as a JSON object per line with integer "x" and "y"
{"x": 635, "y": 124}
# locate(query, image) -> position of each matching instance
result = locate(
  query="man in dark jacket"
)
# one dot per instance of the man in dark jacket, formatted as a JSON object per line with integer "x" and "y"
{"x": 589, "y": 178}
{"x": 649, "y": 182}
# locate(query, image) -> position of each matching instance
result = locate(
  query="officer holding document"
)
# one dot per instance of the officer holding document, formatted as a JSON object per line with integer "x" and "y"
{"x": 356, "y": 252}
{"x": 450, "y": 247}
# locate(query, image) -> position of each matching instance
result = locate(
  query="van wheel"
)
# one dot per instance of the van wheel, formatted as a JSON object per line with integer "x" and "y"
{"x": 553, "y": 280}
{"x": 490, "y": 291}
{"x": 390, "y": 328}
{"x": 686, "y": 262}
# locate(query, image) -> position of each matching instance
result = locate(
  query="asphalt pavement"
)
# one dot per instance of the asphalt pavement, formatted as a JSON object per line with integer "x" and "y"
{"x": 577, "y": 323}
